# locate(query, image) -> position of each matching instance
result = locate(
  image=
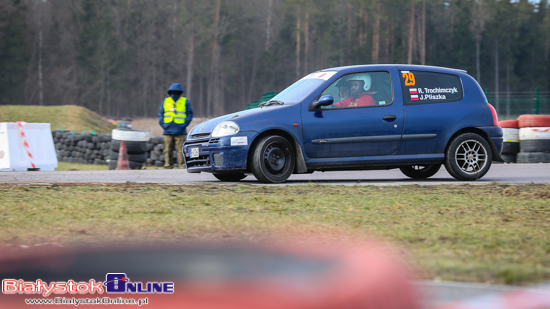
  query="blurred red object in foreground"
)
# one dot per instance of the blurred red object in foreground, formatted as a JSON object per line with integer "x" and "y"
{"x": 533, "y": 298}
{"x": 363, "y": 275}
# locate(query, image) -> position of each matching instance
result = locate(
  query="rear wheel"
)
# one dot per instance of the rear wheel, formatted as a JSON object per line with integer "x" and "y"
{"x": 273, "y": 159}
{"x": 230, "y": 176}
{"x": 468, "y": 157}
{"x": 420, "y": 171}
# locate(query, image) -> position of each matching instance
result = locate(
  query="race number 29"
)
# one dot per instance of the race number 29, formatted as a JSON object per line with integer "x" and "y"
{"x": 409, "y": 79}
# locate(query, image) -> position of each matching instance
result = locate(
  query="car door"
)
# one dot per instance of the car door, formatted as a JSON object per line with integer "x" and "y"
{"x": 356, "y": 131}
{"x": 433, "y": 103}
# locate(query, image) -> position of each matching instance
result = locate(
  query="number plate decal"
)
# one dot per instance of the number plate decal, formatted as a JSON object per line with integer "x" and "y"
{"x": 194, "y": 152}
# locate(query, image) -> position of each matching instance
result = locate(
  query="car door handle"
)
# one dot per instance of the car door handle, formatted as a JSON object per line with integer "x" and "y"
{"x": 389, "y": 117}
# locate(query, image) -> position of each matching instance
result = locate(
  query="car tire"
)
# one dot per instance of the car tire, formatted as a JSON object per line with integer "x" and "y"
{"x": 420, "y": 171}
{"x": 273, "y": 159}
{"x": 525, "y": 121}
{"x": 535, "y": 145}
{"x": 230, "y": 176}
{"x": 131, "y": 147}
{"x": 130, "y": 135}
{"x": 468, "y": 157}
{"x": 533, "y": 157}
{"x": 534, "y": 133}
{"x": 138, "y": 157}
{"x": 509, "y": 157}
{"x": 509, "y": 147}
{"x": 514, "y": 124}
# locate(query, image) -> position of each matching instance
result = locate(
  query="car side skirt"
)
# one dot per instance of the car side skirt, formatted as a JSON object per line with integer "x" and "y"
{"x": 366, "y": 162}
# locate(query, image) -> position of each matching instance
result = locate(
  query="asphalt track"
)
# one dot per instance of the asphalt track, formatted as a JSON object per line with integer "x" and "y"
{"x": 436, "y": 293}
{"x": 500, "y": 173}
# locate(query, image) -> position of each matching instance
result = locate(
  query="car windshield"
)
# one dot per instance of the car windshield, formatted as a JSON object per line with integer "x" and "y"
{"x": 299, "y": 90}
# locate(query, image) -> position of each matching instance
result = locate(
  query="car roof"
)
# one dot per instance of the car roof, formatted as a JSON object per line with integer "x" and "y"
{"x": 412, "y": 67}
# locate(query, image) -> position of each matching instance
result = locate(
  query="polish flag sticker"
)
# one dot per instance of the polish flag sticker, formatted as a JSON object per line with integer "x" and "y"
{"x": 414, "y": 97}
{"x": 413, "y": 90}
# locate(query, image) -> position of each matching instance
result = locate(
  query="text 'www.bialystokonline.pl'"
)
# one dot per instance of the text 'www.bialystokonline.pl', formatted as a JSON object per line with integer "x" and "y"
{"x": 87, "y": 301}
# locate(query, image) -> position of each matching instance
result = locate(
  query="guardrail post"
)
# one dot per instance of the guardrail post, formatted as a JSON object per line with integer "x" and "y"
{"x": 537, "y": 101}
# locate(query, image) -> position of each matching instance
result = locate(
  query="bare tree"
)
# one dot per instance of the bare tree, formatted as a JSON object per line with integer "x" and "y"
{"x": 376, "y": 36}
{"x": 423, "y": 34}
{"x": 480, "y": 15}
{"x": 411, "y": 34}
{"x": 298, "y": 43}
{"x": 306, "y": 39}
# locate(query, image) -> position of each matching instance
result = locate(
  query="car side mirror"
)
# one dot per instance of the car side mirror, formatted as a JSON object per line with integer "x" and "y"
{"x": 325, "y": 100}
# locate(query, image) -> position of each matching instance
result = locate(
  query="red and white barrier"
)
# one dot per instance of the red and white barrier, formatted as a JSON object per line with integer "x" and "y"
{"x": 25, "y": 146}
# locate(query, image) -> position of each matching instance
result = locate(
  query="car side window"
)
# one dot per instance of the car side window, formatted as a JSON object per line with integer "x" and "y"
{"x": 429, "y": 87}
{"x": 361, "y": 90}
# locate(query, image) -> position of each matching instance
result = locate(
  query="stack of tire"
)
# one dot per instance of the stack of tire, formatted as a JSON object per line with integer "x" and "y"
{"x": 156, "y": 154}
{"x": 510, "y": 148}
{"x": 534, "y": 135}
{"x": 136, "y": 142}
{"x": 81, "y": 148}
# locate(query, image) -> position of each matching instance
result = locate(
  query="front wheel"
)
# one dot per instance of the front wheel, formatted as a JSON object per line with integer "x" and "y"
{"x": 420, "y": 171}
{"x": 468, "y": 157}
{"x": 273, "y": 159}
{"x": 230, "y": 176}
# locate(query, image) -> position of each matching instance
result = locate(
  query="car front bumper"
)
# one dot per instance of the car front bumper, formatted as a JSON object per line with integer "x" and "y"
{"x": 228, "y": 153}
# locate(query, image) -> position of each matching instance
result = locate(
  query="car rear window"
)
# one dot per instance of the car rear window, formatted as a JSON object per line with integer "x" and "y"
{"x": 428, "y": 87}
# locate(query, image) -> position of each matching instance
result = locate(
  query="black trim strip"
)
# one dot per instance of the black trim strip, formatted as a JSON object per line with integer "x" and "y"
{"x": 358, "y": 139}
{"x": 372, "y": 139}
{"x": 414, "y": 137}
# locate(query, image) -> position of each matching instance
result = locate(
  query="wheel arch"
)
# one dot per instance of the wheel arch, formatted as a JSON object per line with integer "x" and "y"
{"x": 300, "y": 166}
{"x": 494, "y": 150}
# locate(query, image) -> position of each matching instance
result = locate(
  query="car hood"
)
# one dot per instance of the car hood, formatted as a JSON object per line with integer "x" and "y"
{"x": 242, "y": 118}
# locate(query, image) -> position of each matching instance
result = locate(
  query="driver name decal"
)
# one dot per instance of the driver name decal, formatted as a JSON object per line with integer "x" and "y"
{"x": 431, "y": 93}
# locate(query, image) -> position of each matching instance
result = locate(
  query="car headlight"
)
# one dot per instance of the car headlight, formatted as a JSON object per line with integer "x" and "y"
{"x": 225, "y": 128}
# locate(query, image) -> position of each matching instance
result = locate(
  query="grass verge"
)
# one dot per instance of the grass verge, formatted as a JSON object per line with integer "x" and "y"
{"x": 65, "y": 166}
{"x": 491, "y": 233}
{"x": 65, "y": 117}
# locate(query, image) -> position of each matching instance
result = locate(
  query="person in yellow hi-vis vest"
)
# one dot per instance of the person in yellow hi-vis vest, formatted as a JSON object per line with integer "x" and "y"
{"x": 175, "y": 114}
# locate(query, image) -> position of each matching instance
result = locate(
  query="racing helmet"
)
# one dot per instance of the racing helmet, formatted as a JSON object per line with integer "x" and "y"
{"x": 363, "y": 77}
{"x": 342, "y": 83}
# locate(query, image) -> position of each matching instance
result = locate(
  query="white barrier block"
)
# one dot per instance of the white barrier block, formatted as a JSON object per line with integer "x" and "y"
{"x": 26, "y": 146}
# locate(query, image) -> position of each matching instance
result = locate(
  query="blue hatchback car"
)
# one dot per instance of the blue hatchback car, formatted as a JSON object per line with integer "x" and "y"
{"x": 410, "y": 117}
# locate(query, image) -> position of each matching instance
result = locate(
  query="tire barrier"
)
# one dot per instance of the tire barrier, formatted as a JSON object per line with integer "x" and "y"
{"x": 510, "y": 148}
{"x": 539, "y": 133}
{"x": 135, "y": 145}
{"x": 533, "y": 157}
{"x": 526, "y": 140}
{"x": 534, "y": 143}
{"x": 510, "y": 135}
{"x": 81, "y": 148}
{"x": 509, "y": 124}
{"x": 509, "y": 158}
{"x": 102, "y": 149}
{"x": 539, "y": 145}
{"x": 131, "y": 147}
{"x": 528, "y": 121}
{"x": 130, "y": 135}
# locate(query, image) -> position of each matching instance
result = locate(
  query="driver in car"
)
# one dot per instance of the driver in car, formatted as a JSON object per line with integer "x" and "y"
{"x": 360, "y": 91}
